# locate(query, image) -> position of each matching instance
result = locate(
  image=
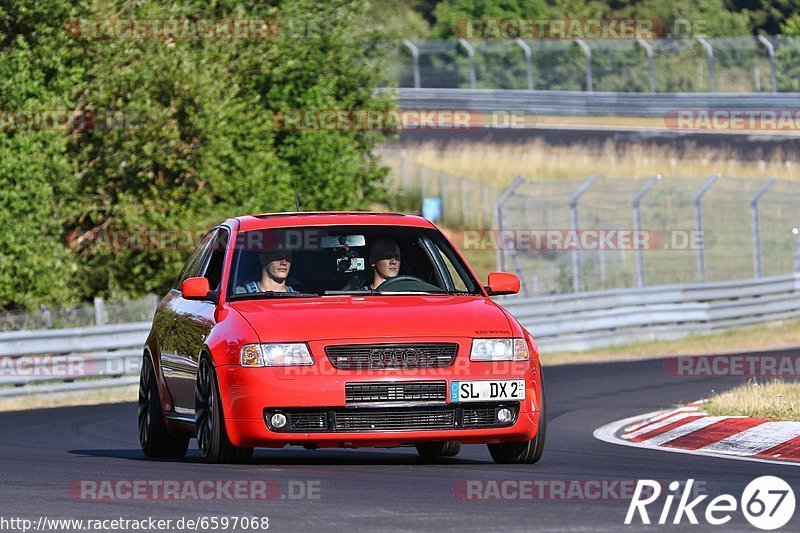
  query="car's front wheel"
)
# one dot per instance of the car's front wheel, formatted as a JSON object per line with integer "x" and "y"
{"x": 212, "y": 438}
{"x": 155, "y": 439}
{"x": 525, "y": 452}
{"x": 434, "y": 450}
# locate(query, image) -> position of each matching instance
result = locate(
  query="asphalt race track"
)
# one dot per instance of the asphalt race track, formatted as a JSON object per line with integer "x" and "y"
{"x": 383, "y": 490}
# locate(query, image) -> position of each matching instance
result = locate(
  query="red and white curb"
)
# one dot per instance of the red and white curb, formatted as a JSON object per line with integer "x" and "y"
{"x": 689, "y": 430}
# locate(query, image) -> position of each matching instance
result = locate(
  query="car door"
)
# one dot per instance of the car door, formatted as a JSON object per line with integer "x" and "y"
{"x": 195, "y": 318}
{"x": 172, "y": 323}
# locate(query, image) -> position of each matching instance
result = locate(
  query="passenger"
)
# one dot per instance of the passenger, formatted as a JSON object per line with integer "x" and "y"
{"x": 384, "y": 257}
{"x": 275, "y": 266}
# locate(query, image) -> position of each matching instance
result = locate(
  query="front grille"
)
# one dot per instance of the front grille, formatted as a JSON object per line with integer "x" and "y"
{"x": 369, "y": 356}
{"x": 323, "y": 420}
{"x": 393, "y": 419}
{"x": 419, "y": 391}
{"x": 307, "y": 422}
{"x": 475, "y": 417}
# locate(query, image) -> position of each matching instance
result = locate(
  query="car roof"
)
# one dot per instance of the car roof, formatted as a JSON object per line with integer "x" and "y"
{"x": 330, "y": 218}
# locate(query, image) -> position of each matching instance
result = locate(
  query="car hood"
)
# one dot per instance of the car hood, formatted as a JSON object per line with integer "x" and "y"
{"x": 310, "y": 319}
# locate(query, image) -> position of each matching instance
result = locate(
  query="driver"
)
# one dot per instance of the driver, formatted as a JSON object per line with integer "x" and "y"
{"x": 384, "y": 257}
{"x": 275, "y": 266}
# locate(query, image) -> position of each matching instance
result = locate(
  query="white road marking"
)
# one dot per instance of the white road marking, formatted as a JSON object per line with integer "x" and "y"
{"x": 650, "y": 427}
{"x": 756, "y": 439}
{"x": 685, "y": 429}
{"x": 610, "y": 433}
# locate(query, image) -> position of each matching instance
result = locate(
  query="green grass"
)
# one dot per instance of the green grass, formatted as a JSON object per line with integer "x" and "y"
{"x": 774, "y": 400}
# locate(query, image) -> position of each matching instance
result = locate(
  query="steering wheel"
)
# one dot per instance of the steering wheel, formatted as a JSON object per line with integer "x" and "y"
{"x": 407, "y": 283}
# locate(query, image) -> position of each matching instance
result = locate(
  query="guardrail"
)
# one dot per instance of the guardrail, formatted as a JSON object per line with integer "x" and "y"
{"x": 568, "y": 322}
{"x": 587, "y": 320}
{"x": 581, "y": 103}
{"x": 71, "y": 359}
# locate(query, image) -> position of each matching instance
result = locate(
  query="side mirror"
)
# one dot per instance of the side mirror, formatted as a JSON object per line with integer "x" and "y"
{"x": 196, "y": 289}
{"x": 502, "y": 283}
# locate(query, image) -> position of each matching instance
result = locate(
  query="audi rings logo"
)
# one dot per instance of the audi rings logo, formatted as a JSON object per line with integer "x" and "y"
{"x": 403, "y": 357}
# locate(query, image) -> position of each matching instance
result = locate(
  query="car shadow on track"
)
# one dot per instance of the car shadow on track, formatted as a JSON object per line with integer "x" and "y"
{"x": 264, "y": 457}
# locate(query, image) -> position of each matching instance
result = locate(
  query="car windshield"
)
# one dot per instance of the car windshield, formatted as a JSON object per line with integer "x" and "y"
{"x": 334, "y": 260}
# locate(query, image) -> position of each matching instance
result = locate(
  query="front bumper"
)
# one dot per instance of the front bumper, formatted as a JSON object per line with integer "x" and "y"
{"x": 251, "y": 395}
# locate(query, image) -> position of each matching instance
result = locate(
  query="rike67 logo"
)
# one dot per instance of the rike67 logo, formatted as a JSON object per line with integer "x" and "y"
{"x": 767, "y": 503}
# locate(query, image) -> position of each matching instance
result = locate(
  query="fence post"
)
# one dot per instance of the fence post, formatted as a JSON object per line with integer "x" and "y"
{"x": 649, "y": 51}
{"x": 404, "y": 171}
{"x": 756, "y": 225}
{"x": 487, "y": 214}
{"x": 637, "y": 227}
{"x": 710, "y": 55}
{"x": 415, "y": 61}
{"x": 47, "y": 316}
{"x": 99, "y": 312}
{"x": 698, "y": 225}
{"x": 771, "y": 53}
{"x": 154, "y": 301}
{"x": 577, "y": 276}
{"x": 464, "y": 202}
{"x": 442, "y": 194}
{"x": 498, "y": 214}
{"x": 796, "y": 265}
{"x": 471, "y": 55}
{"x": 587, "y": 52}
{"x": 528, "y": 61}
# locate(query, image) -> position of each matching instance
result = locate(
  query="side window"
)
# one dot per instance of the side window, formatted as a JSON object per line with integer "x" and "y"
{"x": 214, "y": 265}
{"x": 191, "y": 267}
{"x": 458, "y": 282}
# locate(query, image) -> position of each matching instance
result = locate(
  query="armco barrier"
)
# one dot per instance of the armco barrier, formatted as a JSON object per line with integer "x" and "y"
{"x": 581, "y": 103}
{"x": 568, "y": 322}
{"x": 586, "y": 320}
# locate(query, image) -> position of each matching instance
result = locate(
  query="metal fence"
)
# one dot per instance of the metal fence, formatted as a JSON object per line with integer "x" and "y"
{"x": 465, "y": 203}
{"x": 604, "y": 233}
{"x": 100, "y": 313}
{"x": 720, "y": 64}
{"x": 569, "y": 322}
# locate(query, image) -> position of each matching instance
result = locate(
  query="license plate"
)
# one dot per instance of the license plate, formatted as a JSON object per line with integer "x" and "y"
{"x": 487, "y": 391}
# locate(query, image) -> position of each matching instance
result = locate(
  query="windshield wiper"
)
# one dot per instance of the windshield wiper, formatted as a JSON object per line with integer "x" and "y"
{"x": 272, "y": 294}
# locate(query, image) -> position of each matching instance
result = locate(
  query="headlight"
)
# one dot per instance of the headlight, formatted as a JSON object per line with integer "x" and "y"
{"x": 499, "y": 350}
{"x": 276, "y": 355}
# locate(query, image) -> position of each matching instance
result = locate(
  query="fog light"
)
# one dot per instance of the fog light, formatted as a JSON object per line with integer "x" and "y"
{"x": 504, "y": 415}
{"x": 278, "y": 420}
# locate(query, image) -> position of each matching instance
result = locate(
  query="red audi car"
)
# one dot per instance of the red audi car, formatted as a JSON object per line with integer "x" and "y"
{"x": 337, "y": 330}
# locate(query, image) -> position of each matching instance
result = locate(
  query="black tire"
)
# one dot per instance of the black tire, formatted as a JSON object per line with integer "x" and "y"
{"x": 434, "y": 450}
{"x": 525, "y": 452}
{"x": 212, "y": 438}
{"x": 155, "y": 439}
